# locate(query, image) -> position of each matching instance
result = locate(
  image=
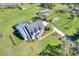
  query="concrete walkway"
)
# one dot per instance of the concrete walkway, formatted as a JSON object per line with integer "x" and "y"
{"x": 46, "y": 35}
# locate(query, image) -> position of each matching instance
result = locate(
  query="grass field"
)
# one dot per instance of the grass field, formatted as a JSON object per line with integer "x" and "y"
{"x": 64, "y": 22}
{"x": 10, "y": 17}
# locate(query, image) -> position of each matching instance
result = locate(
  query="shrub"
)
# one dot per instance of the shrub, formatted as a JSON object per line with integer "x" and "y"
{"x": 47, "y": 28}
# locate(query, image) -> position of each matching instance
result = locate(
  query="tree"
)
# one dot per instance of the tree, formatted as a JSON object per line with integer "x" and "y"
{"x": 67, "y": 48}
{"x": 47, "y": 28}
{"x": 47, "y": 5}
{"x": 76, "y": 47}
{"x": 51, "y": 51}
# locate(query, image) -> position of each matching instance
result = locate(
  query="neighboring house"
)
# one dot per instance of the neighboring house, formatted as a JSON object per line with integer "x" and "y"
{"x": 10, "y": 5}
{"x": 31, "y": 31}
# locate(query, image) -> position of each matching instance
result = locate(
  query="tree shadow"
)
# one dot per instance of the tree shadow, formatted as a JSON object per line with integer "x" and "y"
{"x": 51, "y": 51}
{"x": 35, "y": 19}
{"x": 75, "y": 36}
{"x": 70, "y": 38}
{"x": 1, "y": 34}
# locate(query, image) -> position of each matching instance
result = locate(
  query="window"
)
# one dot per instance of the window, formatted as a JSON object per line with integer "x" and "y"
{"x": 39, "y": 28}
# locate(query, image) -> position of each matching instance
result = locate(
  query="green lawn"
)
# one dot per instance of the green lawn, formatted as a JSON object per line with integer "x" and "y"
{"x": 72, "y": 24}
{"x": 10, "y": 17}
{"x": 30, "y": 48}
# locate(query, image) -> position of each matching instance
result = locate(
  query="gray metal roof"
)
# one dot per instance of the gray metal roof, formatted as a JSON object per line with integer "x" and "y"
{"x": 30, "y": 30}
{"x": 35, "y": 25}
